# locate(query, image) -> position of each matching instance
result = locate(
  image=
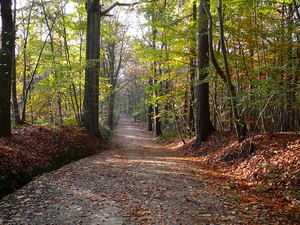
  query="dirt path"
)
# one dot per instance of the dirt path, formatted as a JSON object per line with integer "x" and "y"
{"x": 136, "y": 182}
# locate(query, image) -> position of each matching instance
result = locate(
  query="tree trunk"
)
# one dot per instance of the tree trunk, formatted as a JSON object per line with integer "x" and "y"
{"x": 157, "y": 123}
{"x": 112, "y": 81}
{"x": 91, "y": 92}
{"x": 203, "y": 122}
{"x": 238, "y": 119}
{"x": 191, "y": 116}
{"x": 16, "y": 111}
{"x": 6, "y": 61}
{"x": 111, "y": 104}
{"x": 192, "y": 70}
{"x": 150, "y": 111}
{"x": 239, "y": 122}
{"x": 25, "y": 66}
{"x": 149, "y": 118}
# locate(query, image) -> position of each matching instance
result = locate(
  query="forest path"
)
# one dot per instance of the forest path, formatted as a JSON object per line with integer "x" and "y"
{"x": 135, "y": 182}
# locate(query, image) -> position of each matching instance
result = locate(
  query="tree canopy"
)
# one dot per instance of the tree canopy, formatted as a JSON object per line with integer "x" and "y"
{"x": 147, "y": 62}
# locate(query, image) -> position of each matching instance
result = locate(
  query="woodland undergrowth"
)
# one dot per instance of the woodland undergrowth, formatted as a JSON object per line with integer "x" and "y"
{"x": 266, "y": 168}
{"x": 33, "y": 150}
{"x": 261, "y": 168}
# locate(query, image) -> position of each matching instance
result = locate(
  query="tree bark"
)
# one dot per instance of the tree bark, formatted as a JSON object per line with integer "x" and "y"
{"x": 91, "y": 93}
{"x": 6, "y": 61}
{"x": 203, "y": 123}
{"x": 149, "y": 118}
{"x": 157, "y": 123}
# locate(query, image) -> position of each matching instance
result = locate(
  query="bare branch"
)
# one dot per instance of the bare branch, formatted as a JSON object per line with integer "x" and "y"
{"x": 104, "y": 12}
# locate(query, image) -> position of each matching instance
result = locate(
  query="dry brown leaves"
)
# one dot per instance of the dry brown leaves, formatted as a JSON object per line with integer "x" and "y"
{"x": 32, "y": 150}
{"x": 271, "y": 173}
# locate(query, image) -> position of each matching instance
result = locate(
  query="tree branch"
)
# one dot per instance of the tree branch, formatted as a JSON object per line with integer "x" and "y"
{"x": 210, "y": 43}
{"x": 104, "y": 12}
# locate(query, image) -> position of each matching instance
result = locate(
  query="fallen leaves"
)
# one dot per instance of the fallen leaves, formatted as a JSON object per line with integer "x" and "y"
{"x": 138, "y": 183}
{"x": 204, "y": 215}
{"x": 33, "y": 150}
{"x": 271, "y": 174}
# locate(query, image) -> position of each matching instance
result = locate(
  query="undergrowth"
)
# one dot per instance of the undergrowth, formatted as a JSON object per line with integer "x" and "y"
{"x": 33, "y": 150}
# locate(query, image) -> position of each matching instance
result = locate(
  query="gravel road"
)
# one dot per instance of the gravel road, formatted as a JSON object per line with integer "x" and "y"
{"x": 136, "y": 181}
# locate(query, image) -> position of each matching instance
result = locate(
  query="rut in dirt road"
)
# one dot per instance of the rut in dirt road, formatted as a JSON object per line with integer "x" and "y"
{"x": 134, "y": 182}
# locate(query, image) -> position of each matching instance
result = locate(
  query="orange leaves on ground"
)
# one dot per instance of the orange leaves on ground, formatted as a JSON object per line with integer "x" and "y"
{"x": 272, "y": 169}
{"x": 32, "y": 150}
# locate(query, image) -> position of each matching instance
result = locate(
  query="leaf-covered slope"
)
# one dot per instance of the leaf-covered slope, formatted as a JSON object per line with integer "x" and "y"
{"x": 32, "y": 150}
{"x": 270, "y": 168}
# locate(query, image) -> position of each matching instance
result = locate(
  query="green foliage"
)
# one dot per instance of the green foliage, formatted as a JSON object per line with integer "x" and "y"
{"x": 295, "y": 193}
{"x": 261, "y": 39}
{"x": 139, "y": 113}
{"x": 167, "y": 137}
{"x": 233, "y": 185}
{"x": 268, "y": 166}
{"x": 107, "y": 134}
{"x": 261, "y": 186}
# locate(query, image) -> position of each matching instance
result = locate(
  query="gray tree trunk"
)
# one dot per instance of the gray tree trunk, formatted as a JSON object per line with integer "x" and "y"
{"x": 91, "y": 93}
{"x": 203, "y": 123}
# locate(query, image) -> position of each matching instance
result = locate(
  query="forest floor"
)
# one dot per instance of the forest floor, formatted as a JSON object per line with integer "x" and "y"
{"x": 137, "y": 181}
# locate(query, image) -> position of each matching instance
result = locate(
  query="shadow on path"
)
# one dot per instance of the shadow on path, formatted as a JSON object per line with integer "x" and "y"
{"x": 134, "y": 182}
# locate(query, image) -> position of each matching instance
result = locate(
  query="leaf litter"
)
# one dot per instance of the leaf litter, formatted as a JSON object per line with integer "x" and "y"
{"x": 138, "y": 181}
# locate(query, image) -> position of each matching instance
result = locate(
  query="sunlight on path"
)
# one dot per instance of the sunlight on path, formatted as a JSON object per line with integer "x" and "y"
{"x": 134, "y": 182}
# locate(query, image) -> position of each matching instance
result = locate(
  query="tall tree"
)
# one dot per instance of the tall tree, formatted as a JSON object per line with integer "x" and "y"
{"x": 91, "y": 93}
{"x": 192, "y": 70}
{"x": 239, "y": 123}
{"x": 203, "y": 122}
{"x": 34, "y": 52}
{"x": 149, "y": 112}
{"x": 115, "y": 46}
{"x": 26, "y": 85}
{"x": 6, "y": 62}
{"x": 16, "y": 111}
{"x": 157, "y": 123}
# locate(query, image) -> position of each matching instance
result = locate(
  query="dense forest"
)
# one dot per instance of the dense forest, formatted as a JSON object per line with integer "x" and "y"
{"x": 187, "y": 67}
{"x": 214, "y": 80}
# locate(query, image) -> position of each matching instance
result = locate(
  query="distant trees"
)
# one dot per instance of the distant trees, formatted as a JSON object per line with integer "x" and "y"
{"x": 115, "y": 55}
{"x": 49, "y": 64}
{"x": 92, "y": 70}
{"x": 196, "y": 66}
{"x": 254, "y": 71}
